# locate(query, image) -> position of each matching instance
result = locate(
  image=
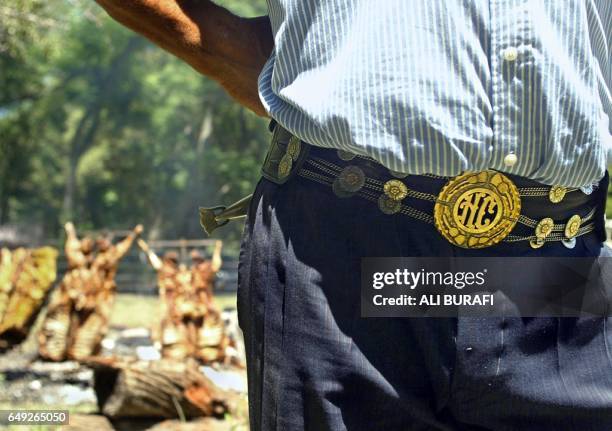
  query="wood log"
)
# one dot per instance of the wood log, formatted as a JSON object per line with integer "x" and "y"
{"x": 162, "y": 389}
{"x": 84, "y": 422}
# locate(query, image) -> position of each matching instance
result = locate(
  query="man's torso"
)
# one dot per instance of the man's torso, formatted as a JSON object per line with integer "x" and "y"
{"x": 446, "y": 86}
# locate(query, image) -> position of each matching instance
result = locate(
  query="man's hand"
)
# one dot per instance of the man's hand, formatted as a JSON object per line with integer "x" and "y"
{"x": 138, "y": 229}
{"x": 227, "y": 48}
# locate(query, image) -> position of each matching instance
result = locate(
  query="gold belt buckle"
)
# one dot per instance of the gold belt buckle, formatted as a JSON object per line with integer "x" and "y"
{"x": 477, "y": 209}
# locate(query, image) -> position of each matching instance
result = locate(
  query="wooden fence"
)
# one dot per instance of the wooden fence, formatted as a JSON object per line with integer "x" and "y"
{"x": 135, "y": 274}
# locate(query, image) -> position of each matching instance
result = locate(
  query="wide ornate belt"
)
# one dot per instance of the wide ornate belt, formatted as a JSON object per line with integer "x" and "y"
{"x": 473, "y": 210}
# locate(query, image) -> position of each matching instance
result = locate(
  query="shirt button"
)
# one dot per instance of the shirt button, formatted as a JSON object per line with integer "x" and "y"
{"x": 510, "y": 160}
{"x": 510, "y": 54}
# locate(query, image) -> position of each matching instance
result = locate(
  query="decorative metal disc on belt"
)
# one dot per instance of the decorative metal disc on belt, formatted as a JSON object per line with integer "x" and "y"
{"x": 477, "y": 209}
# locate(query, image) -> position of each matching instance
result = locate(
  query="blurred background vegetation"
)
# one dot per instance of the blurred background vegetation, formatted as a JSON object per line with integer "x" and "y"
{"x": 99, "y": 126}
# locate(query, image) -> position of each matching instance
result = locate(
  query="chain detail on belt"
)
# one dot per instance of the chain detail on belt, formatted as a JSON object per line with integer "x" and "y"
{"x": 377, "y": 186}
{"x": 472, "y": 210}
{"x": 372, "y": 189}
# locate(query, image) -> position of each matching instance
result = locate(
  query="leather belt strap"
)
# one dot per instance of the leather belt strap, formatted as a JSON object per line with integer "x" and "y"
{"x": 472, "y": 210}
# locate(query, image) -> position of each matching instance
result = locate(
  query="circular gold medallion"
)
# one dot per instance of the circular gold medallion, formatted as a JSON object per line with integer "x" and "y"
{"x": 388, "y": 205}
{"x": 544, "y": 228}
{"x": 293, "y": 147}
{"x": 284, "y": 166}
{"x": 556, "y": 194}
{"x": 572, "y": 226}
{"x": 351, "y": 179}
{"x": 536, "y": 243}
{"x": 340, "y": 191}
{"x": 395, "y": 190}
{"x": 477, "y": 209}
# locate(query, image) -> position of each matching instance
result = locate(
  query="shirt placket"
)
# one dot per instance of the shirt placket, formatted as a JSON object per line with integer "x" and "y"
{"x": 509, "y": 25}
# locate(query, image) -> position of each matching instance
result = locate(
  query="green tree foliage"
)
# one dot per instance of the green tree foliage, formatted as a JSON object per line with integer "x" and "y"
{"x": 99, "y": 126}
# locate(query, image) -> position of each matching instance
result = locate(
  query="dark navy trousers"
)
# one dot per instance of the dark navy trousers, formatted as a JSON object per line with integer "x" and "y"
{"x": 315, "y": 364}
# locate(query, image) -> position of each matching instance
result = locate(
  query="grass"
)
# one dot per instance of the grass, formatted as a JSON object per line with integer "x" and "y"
{"x": 132, "y": 310}
{"x": 226, "y": 300}
{"x": 135, "y": 311}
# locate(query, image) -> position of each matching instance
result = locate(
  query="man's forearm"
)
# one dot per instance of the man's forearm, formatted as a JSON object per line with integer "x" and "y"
{"x": 217, "y": 43}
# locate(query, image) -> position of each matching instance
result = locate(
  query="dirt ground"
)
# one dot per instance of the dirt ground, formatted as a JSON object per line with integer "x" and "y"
{"x": 28, "y": 383}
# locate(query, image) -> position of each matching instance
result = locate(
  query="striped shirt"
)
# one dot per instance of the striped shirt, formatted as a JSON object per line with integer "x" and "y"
{"x": 445, "y": 86}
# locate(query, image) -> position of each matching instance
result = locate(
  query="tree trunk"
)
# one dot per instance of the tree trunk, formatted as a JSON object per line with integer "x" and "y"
{"x": 188, "y": 208}
{"x": 85, "y": 133}
{"x": 70, "y": 190}
{"x": 4, "y": 206}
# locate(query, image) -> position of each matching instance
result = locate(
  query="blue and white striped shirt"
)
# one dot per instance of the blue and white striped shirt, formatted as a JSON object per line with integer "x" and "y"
{"x": 444, "y": 86}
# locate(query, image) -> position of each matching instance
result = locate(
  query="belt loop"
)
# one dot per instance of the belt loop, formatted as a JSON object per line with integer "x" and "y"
{"x": 285, "y": 156}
